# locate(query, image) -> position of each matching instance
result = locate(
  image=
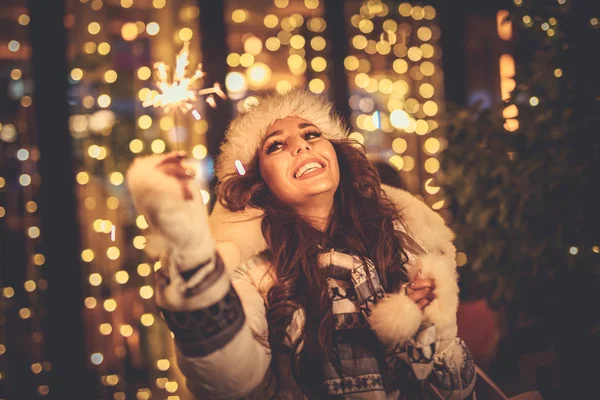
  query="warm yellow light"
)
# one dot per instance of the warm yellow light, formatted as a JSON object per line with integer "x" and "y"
{"x": 246, "y": 60}
{"x": 362, "y": 80}
{"x": 430, "y": 108}
{"x": 158, "y": 146}
{"x": 253, "y": 45}
{"x": 8, "y": 292}
{"x": 110, "y": 305}
{"x": 26, "y": 101}
{"x": 400, "y": 66}
{"x": 103, "y": 48}
{"x": 159, "y": 3}
{"x": 295, "y": 61}
{"x": 258, "y": 75}
{"x": 316, "y": 85}
{"x": 318, "y": 43}
{"x": 136, "y": 146}
{"x": 144, "y": 122}
{"x": 438, "y": 205}
{"x": 239, "y": 16}
{"x": 105, "y": 329}
{"x": 139, "y": 242}
{"x": 185, "y": 34}
{"x": 36, "y": 368}
{"x": 297, "y": 42}
{"x": 272, "y": 44}
{"x": 113, "y": 252}
{"x": 2, "y": 182}
{"x": 199, "y": 152}
{"x": 171, "y": 386}
{"x": 33, "y": 232}
{"x": 144, "y": 73}
{"x": 558, "y": 72}
{"x": 311, "y": 4}
{"x": 95, "y": 279}
{"x": 126, "y": 330}
{"x": 432, "y": 165}
{"x": 281, "y": 3}
{"x": 39, "y": 259}
{"x": 129, "y": 31}
{"x": 359, "y": 42}
{"x": 110, "y": 76}
{"x": 143, "y": 269}
{"x": 351, "y": 63}
{"x": 397, "y": 162}
{"x": 366, "y": 26}
{"x": 82, "y": 178}
{"x": 104, "y": 100}
{"x": 121, "y": 277}
{"x": 15, "y": 74}
{"x": 112, "y": 203}
{"x": 29, "y": 286}
{"x": 24, "y": 19}
{"x": 271, "y": 21}
{"x": 426, "y": 90}
{"x": 163, "y": 364}
{"x": 147, "y": 319}
{"x": 24, "y": 313}
{"x": 146, "y": 292}
{"x": 432, "y": 145}
{"x": 317, "y": 24}
{"x": 90, "y": 302}
{"x": 141, "y": 222}
{"x": 534, "y": 101}
{"x": 88, "y": 101}
{"x": 116, "y": 178}
{"x": 93, "y": 28}
{"x": 22, "y": 154}
{"x": 399, "y": 145}
{"x": 76, "y": 74}
{"x": 318, "y": 64}
{"x": 404, "y": 9}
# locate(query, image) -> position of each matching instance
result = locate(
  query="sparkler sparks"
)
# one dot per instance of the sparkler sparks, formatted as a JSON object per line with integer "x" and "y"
{"x": 178, "y": 92}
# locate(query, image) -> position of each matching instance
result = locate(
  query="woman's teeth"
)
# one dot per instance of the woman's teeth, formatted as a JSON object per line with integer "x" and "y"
{"x": 308, "y": 167}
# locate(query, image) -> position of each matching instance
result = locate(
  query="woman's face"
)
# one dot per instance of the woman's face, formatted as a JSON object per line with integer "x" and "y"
{"x": 298, "y": 164}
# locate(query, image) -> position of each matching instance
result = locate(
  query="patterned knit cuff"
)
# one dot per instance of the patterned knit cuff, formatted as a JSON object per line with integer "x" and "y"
{"x": 203, "y": 331}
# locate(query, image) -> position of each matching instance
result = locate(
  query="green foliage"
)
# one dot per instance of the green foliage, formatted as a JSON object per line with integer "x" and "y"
{"x": 523, "y": 201}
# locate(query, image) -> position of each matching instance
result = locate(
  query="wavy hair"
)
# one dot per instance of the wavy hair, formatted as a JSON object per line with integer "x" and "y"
{"x": 362, "y": 222}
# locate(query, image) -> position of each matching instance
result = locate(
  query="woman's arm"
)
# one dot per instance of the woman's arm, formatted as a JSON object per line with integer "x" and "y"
{"x": 220, "y": 346}
{"x": 215, "y": 320}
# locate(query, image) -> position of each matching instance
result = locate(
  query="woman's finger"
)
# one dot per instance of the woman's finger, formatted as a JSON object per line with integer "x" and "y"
{"x": 419, "y": 294}
{"x": 422, "y": 283}
{"x": 423, "y": 303}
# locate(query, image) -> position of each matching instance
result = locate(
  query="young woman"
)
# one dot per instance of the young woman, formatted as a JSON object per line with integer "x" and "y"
{"x": 309, "y": 279}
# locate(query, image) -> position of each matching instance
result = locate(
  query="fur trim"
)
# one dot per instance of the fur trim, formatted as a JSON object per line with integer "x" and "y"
{"x": 241, "y": 229}
{"x": 247, "y": 131}
{"x": 442, "y": 310}
{"x": 395, "y": 318}
{"x": 425, "y": 225}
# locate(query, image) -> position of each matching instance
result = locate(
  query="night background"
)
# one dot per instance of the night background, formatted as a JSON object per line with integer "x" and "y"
{"x": 486, "y": 110}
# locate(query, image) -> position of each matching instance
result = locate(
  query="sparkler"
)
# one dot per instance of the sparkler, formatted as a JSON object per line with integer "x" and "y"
{"x": 178, "y": 93}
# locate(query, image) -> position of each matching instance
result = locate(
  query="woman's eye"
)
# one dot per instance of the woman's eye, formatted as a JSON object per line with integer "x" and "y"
{"x": 274, "y": 146}
{"x": 312, "y": 135}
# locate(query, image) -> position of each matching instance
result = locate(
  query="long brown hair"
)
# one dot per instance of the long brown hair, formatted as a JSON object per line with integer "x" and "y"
{"x": 362, "y": 222}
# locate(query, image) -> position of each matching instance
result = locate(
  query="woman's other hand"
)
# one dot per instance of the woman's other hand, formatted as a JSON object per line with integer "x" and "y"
{"x": 421, "y": 291}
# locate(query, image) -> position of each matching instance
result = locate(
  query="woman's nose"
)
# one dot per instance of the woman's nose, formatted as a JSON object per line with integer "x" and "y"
{"x": 300, "y": 146}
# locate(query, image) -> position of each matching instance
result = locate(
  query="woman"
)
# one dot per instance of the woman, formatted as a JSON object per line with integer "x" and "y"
{"x": 313, "y": 281}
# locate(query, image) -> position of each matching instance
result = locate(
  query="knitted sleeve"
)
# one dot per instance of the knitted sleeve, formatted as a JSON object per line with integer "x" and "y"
{"x": 217, "y": 325}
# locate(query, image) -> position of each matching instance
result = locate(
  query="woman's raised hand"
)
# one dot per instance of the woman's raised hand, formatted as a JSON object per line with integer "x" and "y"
{"x": 164, "y": 190}
{"x": 421, "y": 291}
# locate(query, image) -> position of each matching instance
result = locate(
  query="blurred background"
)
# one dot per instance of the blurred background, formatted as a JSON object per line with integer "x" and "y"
{"x": 486, "y": 110}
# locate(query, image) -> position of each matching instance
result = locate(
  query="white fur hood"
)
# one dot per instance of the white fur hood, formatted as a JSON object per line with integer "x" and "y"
{"x": 395, "y": 318}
